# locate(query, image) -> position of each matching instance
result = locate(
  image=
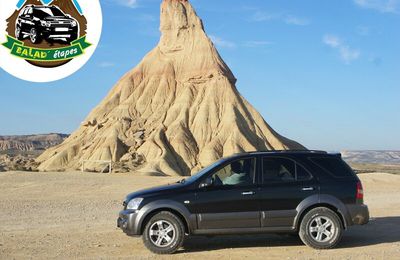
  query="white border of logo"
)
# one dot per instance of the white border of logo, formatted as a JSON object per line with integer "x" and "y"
{"x": 26, "y": 71}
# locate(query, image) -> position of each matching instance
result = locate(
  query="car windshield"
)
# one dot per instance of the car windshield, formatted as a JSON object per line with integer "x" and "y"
{"x": 199, "y": 174}
{"x": 43, "y": 12}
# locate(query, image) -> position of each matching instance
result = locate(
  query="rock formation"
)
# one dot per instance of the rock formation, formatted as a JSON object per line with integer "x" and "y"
{"x": 24, "y": 143}
{"x": 176, "y": 112}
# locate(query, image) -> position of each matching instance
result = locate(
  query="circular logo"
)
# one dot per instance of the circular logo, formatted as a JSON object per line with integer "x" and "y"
{"x": 47, "y": 40}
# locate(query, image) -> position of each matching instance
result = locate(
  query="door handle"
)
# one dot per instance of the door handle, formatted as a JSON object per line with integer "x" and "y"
{"x": 248, "y": 193}
{"x": 307, "y": 188}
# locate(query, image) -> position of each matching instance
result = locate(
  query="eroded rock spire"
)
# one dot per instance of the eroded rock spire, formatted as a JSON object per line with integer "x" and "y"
{"x": 177, "y": 111}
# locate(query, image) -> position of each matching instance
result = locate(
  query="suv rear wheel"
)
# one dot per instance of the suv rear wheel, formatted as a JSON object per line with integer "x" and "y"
{"x": 164, "y": 233}
{"x": 321, "y": 228}
{"x": 18, "y": 33}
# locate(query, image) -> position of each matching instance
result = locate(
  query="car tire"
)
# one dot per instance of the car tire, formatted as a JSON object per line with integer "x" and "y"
{"x": 158, "y": 239}
{"x": 321, "y": 228}
{"x": 35, "y": 36}
{"x": 18, "y": 33}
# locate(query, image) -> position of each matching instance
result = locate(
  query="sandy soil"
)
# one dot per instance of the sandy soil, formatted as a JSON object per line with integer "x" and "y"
{"x": 72, "y": 216}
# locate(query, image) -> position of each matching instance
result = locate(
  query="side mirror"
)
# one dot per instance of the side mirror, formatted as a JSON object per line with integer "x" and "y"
{"x": 208, "y": 182}
{"x": 69, "y": 16}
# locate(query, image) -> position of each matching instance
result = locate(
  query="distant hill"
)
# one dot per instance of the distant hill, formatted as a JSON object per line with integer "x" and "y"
{"x": 372, "y": 157}
{"x": 26, "y": 143}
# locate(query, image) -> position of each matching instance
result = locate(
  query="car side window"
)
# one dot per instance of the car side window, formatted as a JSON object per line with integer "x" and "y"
{"x": 278, "y": 170}
{"x": 302, "y": 174}
{"x": 23, "y": 12}
{"x": 236, "y": 173}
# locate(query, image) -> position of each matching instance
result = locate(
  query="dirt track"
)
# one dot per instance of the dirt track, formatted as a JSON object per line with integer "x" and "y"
{"x": 72, "y": 215}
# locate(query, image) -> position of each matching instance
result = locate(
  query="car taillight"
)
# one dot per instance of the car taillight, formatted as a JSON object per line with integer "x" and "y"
{"x": 360, "y": 192}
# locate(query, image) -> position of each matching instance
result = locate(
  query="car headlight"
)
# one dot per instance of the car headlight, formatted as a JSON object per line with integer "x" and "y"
{"x": 44, "y": 23}
{"x": 134, "y": 203}
{"x": 74, "y": 23}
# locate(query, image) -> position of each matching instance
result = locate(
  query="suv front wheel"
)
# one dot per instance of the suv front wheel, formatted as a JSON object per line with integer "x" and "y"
{"x": 164, "y": 233}
{"x": 18, "y": 33}
{"x": 321, "y": 228}
{"x": 34, "y": 36}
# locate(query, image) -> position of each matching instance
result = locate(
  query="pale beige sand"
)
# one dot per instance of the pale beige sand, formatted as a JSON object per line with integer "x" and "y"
{"x": 178, "y": 109}
{"x": 72, "y": 215}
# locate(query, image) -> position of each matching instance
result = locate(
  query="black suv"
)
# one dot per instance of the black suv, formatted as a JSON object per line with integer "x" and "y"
{"x": 312, "y": 193}
{"x": 45, "y": 22}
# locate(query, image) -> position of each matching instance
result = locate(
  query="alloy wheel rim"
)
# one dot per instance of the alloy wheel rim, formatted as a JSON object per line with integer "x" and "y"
{"x": 162, "y": 233}
{"x": 33, "y": 35}
{"x": 321, "y": 229}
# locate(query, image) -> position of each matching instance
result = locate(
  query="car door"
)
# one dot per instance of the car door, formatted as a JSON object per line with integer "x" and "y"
{"x": 229, "y": 201}
{"x": 21, "y": 19}
{"x": 285, "y": 183}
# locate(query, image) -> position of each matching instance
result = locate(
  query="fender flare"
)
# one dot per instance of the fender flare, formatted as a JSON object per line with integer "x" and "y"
{"x": 318, "y": 199}
{"x": 144, "y": 212}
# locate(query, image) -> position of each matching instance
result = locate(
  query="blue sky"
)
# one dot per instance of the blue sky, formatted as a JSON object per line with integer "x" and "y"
{"x": 324, "y": 73}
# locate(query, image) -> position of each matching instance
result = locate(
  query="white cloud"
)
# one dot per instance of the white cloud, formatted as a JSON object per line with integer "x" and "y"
{"x": 383, "y": 6}
{"x": 222, "y": 43}
{"x": 289, "y": 19}
{"x": 106, "y": 64}
{"x": 263, "y": 16}
{"x": 128, "y": 3}
{"x": 332, "y": 40}
{"x": 346, "y": 53}
{"x": 286, "y": 18}
{"x": 253, "y": 44}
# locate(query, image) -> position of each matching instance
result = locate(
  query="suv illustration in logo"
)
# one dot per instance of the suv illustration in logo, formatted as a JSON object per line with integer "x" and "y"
{"x": 45, "y": 22}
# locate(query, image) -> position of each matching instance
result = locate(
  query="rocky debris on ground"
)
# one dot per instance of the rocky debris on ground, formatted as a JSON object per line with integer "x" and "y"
{"x": 17, "y": 163}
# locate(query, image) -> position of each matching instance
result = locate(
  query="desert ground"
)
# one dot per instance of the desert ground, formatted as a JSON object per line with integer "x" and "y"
{"x": 72, "y": 215}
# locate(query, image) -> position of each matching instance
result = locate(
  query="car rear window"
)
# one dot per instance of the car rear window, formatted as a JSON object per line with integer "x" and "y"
{"x": 334, "y": 165}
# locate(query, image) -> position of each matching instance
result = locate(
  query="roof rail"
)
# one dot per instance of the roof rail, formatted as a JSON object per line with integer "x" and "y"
{"x": 305, "y": 150}
{"x": 281, "y": 151}
{"x": 294, "y": 151}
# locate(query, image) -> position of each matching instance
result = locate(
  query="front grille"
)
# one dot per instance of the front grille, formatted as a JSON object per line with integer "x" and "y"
{"x": 60, "y": 23}
{"x": 65, "y": 25}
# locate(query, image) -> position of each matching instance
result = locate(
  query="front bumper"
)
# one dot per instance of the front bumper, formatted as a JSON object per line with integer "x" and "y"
{"x": 60, "y": 32}
{"x": 128, "y": 222}
{"x": 359, "y": 214}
